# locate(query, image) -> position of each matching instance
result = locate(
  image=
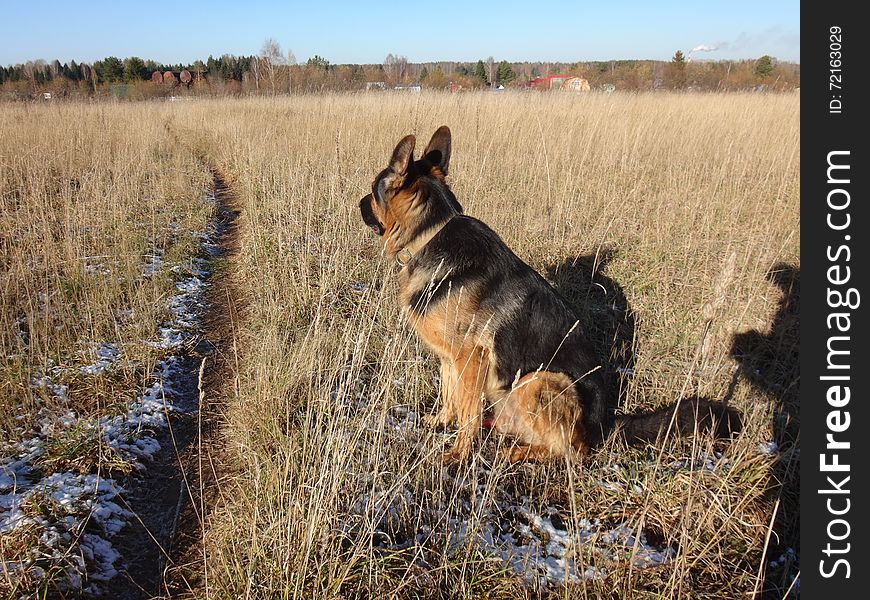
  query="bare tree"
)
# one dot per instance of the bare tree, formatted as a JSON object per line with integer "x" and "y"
{"x": 88, "y": 74}
{"x": 31, "y": 67}
{"x": 395, "y": 68}
{"x": 401, "y": 67}
{"x": 389, "y": 67}
{"x": 255, "y": 71}
{"x": 271, "y": 58}
{"x": 291, "y": 62}
{"x": 490, "y": 68}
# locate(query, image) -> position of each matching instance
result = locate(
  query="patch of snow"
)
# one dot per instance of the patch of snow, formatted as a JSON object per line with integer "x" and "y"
{"x": 169, "y": 338}
{"x": 59, "y": 391}
{"x": 540, "y": 546}
{"x": 790, "y": 555}
{"x": 702, "y": 462}
{"x": 107, "y": 355}
{"x": 95, "y": 265}
{"x": 768, "y": 448}
{"x": 83, "y": 510}
{"x": 22, "y": 330}
{"x": 153, "y": 263}
{"x": 74, "y": 502}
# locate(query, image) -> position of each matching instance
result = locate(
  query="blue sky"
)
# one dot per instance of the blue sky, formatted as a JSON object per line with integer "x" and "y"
{"x": 364, "y": 32}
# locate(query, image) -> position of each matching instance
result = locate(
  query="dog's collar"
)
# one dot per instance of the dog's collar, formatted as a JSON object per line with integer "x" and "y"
{"x": 405, "y": 255}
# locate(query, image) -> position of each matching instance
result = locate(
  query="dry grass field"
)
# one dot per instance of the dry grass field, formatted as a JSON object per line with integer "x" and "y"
{"x": 99, "y": 209}
{"x": 670, "y": 221}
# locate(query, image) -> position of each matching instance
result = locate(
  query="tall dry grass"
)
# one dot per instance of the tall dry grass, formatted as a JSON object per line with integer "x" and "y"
{"x": 98, "y": 204}
{"x": 91, "y": 197}
{"x": 680, "y": 204}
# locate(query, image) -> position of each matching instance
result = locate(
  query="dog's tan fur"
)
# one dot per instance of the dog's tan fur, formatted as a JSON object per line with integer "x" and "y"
{"x": 509, "y": 345}
{"x": 541, "y": 409}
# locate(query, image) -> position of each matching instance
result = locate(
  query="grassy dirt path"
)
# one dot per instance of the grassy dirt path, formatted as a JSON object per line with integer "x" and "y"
{"x": 186, "y": 566}
{"x": 171, "y": 498}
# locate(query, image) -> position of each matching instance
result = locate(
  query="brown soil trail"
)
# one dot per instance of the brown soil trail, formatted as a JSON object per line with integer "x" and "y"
{"x": 186, "y": 570}
{"x": 162, "y": 547}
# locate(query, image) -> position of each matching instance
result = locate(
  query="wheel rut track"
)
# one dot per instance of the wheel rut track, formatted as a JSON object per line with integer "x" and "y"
{"x": 163, "y": 545}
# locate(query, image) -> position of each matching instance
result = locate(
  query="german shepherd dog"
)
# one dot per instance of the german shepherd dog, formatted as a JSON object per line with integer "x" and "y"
{"x": 509, "y": 344}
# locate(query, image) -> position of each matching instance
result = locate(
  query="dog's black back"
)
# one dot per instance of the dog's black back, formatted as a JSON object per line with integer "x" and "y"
{"x": 534, "y": 327}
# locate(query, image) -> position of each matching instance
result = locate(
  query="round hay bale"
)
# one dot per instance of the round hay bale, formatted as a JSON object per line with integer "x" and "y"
{"x": 186, "y": 77}
{"x": 169, "y": 77}
{"x": 156, "y": 77}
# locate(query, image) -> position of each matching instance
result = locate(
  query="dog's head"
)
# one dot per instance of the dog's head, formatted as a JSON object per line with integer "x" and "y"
{"x": 411, "y": 195}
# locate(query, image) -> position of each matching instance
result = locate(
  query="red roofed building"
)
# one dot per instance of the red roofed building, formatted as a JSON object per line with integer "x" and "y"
{"x": 549, "y": 82}
{"x": 566, "y": 83}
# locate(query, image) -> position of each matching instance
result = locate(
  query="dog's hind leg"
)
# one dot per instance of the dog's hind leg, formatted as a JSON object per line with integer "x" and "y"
{"x": 449, "y": 384}
{"x": 522, "y": 452}
{"x": 544, "y": 411}
{"x": 471, "y": 367}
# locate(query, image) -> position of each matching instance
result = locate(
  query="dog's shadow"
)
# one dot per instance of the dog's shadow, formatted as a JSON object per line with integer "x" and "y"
{"x": 605, "y": 315}
{"x": 770, "y": 363}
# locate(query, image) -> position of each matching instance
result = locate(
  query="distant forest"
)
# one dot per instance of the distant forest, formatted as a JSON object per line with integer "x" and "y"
{"x": 275, "y": 72}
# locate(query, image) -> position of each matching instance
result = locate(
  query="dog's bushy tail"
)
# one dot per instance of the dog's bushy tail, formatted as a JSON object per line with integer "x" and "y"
{"x": 689, "y": 416}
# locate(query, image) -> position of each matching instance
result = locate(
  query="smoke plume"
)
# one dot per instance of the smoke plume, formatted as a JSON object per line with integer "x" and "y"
{"x": 707, "y": 48}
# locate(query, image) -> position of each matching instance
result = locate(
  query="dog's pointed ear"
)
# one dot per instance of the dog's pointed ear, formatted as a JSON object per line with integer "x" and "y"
{"x": 437, "y": 152}
{"x": 403, "y": 155}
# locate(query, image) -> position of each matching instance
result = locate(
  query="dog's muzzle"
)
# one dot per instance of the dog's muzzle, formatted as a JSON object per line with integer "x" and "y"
{"x": 368, "y": 215}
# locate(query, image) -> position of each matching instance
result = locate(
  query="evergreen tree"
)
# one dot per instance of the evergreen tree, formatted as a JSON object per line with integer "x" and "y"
{"x": 198, "y": 68}
{"x": 480, "y": 72}
{"x": 109, "y": 69}
{"x": 241, "y": 66}
{"x": 134, "y": 69}
{"x": 424, "y": 73}
{"x": 505, "y": 73}
{"x": 226, "y": 67}
{"x": 764, "y": 66}
{"x": 319, "y": 62}
{"x": 677, "y": 71}
{"x": 212, "y": 67}
{"x": 71, "y": 71}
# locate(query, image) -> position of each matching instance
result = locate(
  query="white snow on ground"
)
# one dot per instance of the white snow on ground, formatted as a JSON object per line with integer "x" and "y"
{"x": 153, "y": 263}
{"x": 75, "y": 516}
{"x": 542, "y": 545}
{"x": 94, "y": 265}
{"x": 61, "y": 507}
{"x": 768, "y": 448}
{"x": 59, "y": 391}
{"x": 542, "y": 552}
{"x": 702, "y": 462}
{"x": 107, "y": 355}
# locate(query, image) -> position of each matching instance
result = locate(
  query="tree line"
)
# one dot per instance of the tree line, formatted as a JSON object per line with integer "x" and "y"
{"x": 273, "y": 71}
